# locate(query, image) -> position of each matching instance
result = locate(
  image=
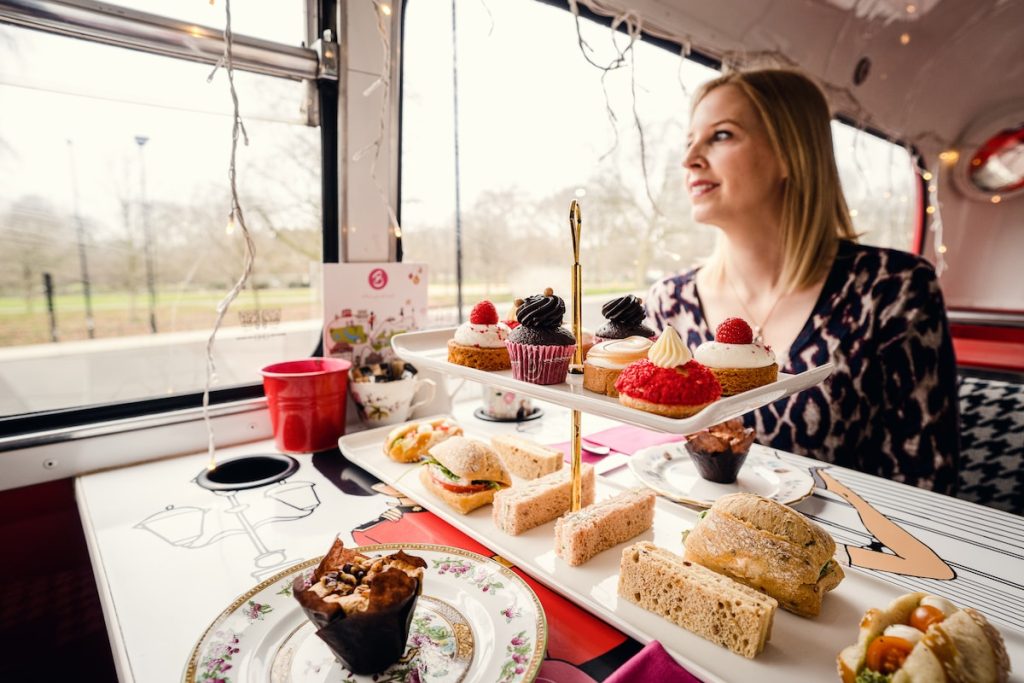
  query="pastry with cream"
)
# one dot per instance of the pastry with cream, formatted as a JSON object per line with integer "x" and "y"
{"x": 669, "y": 381}
{"x": 480, "y": 342}
{"x": 737, "y": 361}
{"x": 606, "y": 361}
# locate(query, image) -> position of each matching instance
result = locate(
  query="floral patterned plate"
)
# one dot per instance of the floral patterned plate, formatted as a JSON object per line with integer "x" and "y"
{"x": 476, "y": 621}
{"x": 668, "y": 470}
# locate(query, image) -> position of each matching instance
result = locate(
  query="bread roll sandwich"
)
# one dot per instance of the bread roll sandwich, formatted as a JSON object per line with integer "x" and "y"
{"x": 464, "y": 473}
{"x": 593, "y": 529}
{"x": 767, "y": 546}
{"x": 525, "y": 458}
{"x": 711, "y": 605}
{"x": 921, "y": 638}
{"x": 532, "y": 503}
{"x": 410, "y": 442}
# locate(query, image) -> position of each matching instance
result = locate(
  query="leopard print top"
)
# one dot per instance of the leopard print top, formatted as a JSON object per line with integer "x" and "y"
{"x": 890, "y": 407}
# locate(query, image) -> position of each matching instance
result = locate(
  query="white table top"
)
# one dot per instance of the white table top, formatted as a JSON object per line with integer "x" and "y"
{"x": 169, "y": 556}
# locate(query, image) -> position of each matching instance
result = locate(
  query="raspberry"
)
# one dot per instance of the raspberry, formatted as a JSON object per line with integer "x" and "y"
{"x": 483, "y": 314}
{"x": 734, "y": 331}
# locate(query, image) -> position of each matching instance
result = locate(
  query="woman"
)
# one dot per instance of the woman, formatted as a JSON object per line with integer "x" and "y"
{"x": 759, "y": 166}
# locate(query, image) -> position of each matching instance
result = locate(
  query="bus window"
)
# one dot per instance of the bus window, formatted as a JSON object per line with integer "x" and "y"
{"x": 115, "y": 243}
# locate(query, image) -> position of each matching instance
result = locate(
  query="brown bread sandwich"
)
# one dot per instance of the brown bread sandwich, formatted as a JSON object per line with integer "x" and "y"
{"x": 920, "y": 638}
{"x": 464, "y": 473}
{"x": 767, "y": 546}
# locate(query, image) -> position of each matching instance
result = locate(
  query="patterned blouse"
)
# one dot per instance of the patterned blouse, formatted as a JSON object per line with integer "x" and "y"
{"x": 890, "y": 407}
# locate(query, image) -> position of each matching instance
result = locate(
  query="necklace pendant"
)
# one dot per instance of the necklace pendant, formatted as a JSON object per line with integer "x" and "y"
{"x": 758, "y": 337}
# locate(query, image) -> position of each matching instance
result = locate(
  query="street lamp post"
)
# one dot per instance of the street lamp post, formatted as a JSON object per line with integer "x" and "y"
{"x": 83, "y": 263}
{"x": 141, "y": 141}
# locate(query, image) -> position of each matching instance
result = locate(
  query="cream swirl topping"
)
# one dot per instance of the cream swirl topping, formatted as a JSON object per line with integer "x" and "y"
{"x": 721, "y": 355}
{"x": 669, "y": 351}
{"x": 484, "y": 336}
{"x": 616, "y": 354}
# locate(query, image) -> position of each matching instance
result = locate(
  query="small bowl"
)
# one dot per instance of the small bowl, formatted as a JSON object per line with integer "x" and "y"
{"x": 721, "y": 467}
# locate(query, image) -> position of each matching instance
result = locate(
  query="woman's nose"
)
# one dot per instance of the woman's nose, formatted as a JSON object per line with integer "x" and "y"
{"x": 693, "y": 158}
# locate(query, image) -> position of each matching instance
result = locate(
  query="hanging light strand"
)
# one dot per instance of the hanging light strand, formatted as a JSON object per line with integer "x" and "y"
{"x": 237, "y": 217}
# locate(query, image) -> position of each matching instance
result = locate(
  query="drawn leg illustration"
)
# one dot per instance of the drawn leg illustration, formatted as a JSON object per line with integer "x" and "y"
{"x": 911, "y": 558}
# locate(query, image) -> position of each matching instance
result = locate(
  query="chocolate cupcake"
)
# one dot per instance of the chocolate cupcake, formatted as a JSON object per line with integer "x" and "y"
{"x": 362, "y": 606}
{"x": 540, "y": 348}
{"x": 720, "y": 451}
{"x": 625, "y": 319}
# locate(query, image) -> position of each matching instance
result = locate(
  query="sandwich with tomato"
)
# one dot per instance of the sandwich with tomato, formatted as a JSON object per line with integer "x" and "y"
{"x": 464, "y": 473}
{"x": 920, "y": 638}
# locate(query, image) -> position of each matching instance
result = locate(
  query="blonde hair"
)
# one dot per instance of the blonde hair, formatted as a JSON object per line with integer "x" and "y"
{"x": 814, "y": 212}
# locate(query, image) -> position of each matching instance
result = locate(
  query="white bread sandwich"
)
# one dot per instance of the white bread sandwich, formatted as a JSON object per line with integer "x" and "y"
{"x": 593, "y": 529}
{"x": 464, "y": 473}
{"x": 921, "y": 638}
{"x": 711, "y": 605}
{"x": 767, "y": 546}
{"x": 410, "y": 442}
{"x": 532, "y": 503}
{"x": 525, "y": 458}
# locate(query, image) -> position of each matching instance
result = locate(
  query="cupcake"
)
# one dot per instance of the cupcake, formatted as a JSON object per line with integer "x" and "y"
{"x": 606, "y": 361}
{"x": 480, "y": 342}
{"x": 586, "y": 337}
{"x": 540, "y": 348}
{"x": 625, "y": 319}
{"x": 668, "y": 382}
{"x": 362, "y": 606}
{"x": 718, "y": 452}
{"x": 738, "y": 362}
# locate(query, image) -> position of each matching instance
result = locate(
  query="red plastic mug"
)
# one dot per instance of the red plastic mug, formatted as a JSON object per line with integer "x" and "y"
{"x": 307, "y": 403}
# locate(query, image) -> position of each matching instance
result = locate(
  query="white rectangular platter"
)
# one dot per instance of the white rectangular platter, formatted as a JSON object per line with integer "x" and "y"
{"x": 429, "y": 349}
{"x": 799, "y": 649}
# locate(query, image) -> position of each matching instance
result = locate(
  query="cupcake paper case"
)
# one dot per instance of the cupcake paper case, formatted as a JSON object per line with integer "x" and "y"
{"x": 540, "y": 349}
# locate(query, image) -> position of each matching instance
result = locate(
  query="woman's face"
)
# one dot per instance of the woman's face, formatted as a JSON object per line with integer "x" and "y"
{"x": 732, "y": 174}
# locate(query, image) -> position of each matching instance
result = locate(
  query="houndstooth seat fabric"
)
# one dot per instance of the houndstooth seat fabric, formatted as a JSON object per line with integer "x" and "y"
{"x": 992, "y": 443}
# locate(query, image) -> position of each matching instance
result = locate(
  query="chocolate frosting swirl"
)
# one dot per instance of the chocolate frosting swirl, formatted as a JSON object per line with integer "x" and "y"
{"x": 545, "y": 312}
{"x": 626, "y": 310}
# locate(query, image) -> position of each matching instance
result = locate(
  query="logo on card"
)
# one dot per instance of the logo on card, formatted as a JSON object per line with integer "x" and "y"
{"x": 378, "y": 278}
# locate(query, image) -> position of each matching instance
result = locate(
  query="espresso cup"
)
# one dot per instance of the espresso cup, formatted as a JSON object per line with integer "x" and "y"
{"x": 388, "y": 403}
{"x": 502, "y": 404}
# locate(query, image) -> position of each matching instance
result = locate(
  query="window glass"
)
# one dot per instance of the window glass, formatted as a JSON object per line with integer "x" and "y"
{"x": 115, "y": 201}
{"x": 282, "y": 21}
{"x": 879, "y": 182}
{"x": 535, "y": 133}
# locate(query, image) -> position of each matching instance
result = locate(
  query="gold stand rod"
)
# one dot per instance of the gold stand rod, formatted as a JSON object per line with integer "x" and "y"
{"x": 576, "y": 368}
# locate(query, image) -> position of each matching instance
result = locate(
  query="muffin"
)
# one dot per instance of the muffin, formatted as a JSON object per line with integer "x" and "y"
{"x": 668, "y": 382}
{"x": 540, "y": 348}
{"x": 480, "y": 342}
{"x": 362, "y": 606}
{"x": 625, "y": 319}
{"x": 719, "y": 451}
{"x": 606, "y": 361}
{"x": 737, "y": 361}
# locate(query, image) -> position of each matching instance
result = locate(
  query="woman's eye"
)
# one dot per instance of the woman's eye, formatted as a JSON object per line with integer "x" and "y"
{"x": 720, "y": 135}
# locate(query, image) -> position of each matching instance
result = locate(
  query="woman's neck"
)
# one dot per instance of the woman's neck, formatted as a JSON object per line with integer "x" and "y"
{"x": 752, "y": 262}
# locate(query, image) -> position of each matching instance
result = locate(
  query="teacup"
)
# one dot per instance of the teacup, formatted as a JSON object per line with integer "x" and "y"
{"x": 502, "y": 404}
{"x": 388, "y": 403}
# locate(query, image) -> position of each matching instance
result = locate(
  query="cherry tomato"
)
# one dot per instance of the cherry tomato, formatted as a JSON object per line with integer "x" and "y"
{"x": 886, "y": 654}
{"x": 924, "y": 616}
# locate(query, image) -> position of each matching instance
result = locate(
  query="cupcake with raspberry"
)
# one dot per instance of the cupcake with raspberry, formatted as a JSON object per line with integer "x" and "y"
{"x": 540, "y": 348}
{"x": 480, "y": 342}
{"x": 668, "y": 382}
{"x": 738, "y": 362}
{"x": 625, "y": 319}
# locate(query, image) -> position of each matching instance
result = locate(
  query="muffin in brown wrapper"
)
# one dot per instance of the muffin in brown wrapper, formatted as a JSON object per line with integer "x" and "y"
{"x": 719, "y": 452}
{"x": 366, "y": 629}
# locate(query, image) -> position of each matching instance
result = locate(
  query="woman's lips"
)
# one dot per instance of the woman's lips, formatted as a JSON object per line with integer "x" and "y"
{"x": 701, "y": 188}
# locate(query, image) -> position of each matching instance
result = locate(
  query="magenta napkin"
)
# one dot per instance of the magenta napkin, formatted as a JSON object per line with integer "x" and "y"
{"x": 622, "y": 439}
{"x": 652, "y": 664}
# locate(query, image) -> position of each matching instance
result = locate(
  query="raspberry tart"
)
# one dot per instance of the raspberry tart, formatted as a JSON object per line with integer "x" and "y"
{"x": 738, "y": 362}
{"x": 480, "y": 342}
{"x": 668, "y": 382}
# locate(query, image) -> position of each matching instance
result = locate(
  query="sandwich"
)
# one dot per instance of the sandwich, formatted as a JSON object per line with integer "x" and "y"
{"x": 410, "y": 442}
{"x": 581, "y": 535}
{"x": 525, "y": 458}
{"x": 464, "y": 473}
{"x": 711, "y": 605}
{"x": 767, "y": 546}
{"x": 532, "y": 503}
{"x": 921, "y": 638}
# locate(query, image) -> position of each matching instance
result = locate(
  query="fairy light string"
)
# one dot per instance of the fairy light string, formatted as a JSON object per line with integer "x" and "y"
{"x": 235, "y": 217}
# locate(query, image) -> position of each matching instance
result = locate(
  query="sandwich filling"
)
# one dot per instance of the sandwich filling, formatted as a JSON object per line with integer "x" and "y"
{"x": 887, "y": 653}
{"x": 448, "y": 480}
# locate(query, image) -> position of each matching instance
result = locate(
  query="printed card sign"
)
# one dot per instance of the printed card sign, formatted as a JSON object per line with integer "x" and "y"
{"x": 366, "y": 304}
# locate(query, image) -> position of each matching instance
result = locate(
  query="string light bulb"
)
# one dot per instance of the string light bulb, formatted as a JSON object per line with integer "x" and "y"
{"x": 930, "y": 210}
{"x": 853, "y": 213}
{"x": 385, "y": 9}
{"x": 927, "y": 175}
{"x": 949, "y": 156}
{"x": 911, "y": 8}
{"x": 996, "y": 199}
{"x": 941, "y": 249}
{"x": 229, "y": 229}
{"x": 904, "y": 39}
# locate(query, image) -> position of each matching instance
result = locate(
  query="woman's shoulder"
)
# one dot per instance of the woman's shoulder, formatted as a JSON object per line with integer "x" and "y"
{"x": 881, "y": 262}
{"x": 672, "y": 296}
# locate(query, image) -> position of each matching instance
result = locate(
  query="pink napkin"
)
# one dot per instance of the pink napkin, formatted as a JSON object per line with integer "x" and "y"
{"x": 622, "y": 439}
{"x": 652, "y": 664}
